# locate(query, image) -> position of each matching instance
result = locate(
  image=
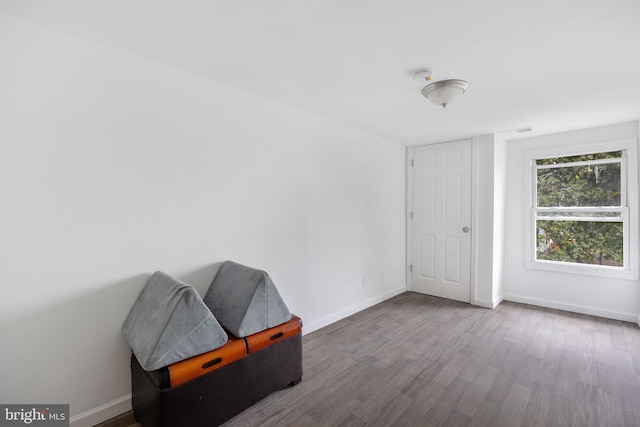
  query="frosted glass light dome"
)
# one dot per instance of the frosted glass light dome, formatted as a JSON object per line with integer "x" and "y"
{"x": 444, "y": 92}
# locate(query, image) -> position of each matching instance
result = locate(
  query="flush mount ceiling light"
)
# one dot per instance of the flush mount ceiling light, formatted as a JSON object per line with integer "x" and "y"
{"x": 442, "y": 92}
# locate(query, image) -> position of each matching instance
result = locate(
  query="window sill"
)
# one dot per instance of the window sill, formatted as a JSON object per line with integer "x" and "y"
{"x": 583, "y": 269}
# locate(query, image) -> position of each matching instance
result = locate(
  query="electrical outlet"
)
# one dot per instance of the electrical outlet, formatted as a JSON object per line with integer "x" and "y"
{"x": 364, "y": 281}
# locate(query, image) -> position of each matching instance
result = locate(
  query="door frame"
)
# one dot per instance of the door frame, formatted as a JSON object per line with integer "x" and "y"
{"x": 474, "y": 216}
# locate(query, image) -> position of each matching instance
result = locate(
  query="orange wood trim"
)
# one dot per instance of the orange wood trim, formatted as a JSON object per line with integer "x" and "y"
{"x": 273, "y": 335}
{"x": 193, "y": 367}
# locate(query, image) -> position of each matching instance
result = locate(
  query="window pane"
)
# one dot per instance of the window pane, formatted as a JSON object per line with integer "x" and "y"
{"x": 580, "y": 186}
{"x": 581, "y": 242}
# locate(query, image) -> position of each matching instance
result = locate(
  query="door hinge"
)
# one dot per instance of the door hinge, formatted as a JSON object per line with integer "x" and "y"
{"x": 411, "y": 268}
{"x": 411, "y": 215}
{"x": 411, "y": 162}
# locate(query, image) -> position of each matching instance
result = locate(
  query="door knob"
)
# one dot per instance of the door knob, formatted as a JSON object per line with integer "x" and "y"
{"x": 465, "y": 229}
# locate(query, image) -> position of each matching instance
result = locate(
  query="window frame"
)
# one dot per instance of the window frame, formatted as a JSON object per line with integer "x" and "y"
{"x": 628, "y": 208}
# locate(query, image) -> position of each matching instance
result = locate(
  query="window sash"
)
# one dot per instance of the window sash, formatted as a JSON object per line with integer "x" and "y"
{"x": 623, "y": 180}
{"x": 624, "y": 263}
{"x": 582, "y": 163}
{"x": 599, "y": 214}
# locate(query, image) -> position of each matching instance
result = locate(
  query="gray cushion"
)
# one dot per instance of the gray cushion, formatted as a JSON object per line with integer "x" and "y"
{"x": 245, "y": 300}
{"x": 169, "y": 322}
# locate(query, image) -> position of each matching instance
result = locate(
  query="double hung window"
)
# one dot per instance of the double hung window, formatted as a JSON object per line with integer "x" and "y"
{"x": 579, "y": 213}
{"x": 579, "y": 218}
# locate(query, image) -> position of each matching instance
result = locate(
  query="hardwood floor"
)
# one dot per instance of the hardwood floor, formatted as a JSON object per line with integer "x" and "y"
{"x": 416, "y": 360}
{"x": 122, "y": 420}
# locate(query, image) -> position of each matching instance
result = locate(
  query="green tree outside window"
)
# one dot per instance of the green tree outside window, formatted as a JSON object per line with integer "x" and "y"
{"x": 578, "y": 209}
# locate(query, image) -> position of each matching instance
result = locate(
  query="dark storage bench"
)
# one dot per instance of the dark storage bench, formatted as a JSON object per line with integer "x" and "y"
{"x": 198, "y": 362}
{"x": 216, "y": 396}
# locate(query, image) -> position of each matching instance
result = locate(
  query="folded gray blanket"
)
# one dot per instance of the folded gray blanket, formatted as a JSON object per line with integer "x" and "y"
{"x": 245, "y": 300}
{"x": 169, "y": 322}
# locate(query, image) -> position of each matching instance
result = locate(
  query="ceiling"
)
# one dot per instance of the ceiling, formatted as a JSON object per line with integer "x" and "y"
{"x": 554, "y": 65}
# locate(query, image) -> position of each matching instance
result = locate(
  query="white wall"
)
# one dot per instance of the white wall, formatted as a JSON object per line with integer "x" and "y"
{"x": 112, "y": 167}
{"x": 613, "y": 298}
{"x": 499, "y": 208}
{"x": 488, "y": 205}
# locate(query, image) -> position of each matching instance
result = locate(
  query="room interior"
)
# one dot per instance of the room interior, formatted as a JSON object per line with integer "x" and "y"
{"x": 140, "y": 137}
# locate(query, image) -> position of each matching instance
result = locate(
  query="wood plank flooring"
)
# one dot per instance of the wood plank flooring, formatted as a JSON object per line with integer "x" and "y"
{"x": 416, "y": 360}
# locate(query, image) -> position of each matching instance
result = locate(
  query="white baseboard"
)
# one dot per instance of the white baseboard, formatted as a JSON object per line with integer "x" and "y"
{"x": 487, "y": 303}
{"x": 483, "y": 303}
{"x": 325, "y": 321}
{"x": 102, "y": 413}
{"x": 609, "y": 314}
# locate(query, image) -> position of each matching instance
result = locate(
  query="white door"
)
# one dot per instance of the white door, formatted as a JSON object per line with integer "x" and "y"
{"x": 441, "y": 236}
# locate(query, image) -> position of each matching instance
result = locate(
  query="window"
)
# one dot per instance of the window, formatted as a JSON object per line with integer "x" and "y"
{"x": 580, "y": 217}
